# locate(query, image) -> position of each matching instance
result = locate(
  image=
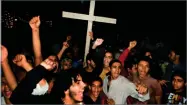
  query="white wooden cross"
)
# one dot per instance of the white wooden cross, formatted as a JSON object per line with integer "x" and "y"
{"x": 90, "y": 19}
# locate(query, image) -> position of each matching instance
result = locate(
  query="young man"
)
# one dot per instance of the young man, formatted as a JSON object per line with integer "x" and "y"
{"x": 144, "y": 77}
{"x": 177, "y": 94}
{"x": 88, "y": 72}
{"x": 68, "y": 87}
{"x": 94, "y": 95}
{"x": 118, "y": 88}
{"x": 174, "y": 65}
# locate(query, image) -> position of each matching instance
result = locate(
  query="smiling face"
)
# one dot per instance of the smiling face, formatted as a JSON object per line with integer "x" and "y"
{"x": 95, "y": 88}
{"x": 6, "y": 91}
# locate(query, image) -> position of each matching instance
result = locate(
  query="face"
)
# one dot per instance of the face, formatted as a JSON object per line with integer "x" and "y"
{"x": 75, "y": 49}
{"x": 76, "y": 89}
{"x": 133, "y": 69}
{"x": 143, "y": 68}
{"x": 172, "y": 56}
{"x": 69, "y": 55}
{"x": 6, "y": 91}
{"x": 178, "y": 83}
{"x": 95, "y": 88}
{"x": 91, "y": 63}
{"x": 115, "y": 70}
{"x": 53, "y": 58}
{"x": 108, "y": 57}
{"x": 66, "y": 65}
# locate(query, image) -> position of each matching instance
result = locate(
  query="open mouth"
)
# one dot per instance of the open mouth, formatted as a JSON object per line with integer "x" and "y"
{"x": 8, "y": 93}
{"x": 80, "y": 95}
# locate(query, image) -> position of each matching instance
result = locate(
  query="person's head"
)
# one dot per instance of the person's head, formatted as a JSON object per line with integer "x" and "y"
{"x": 107, "y": 58}
{"x": 115, "y": 68}
{"x": 89, "y": 61}
{"x": 178, "y": 81}
{"x": 75, "y": 48}
{"x": 54, "y": 57}
{"x": 28, "y": 55}
{"x": 5, "y": 89}
{"x": 95, "y": 87}
{"x": 69, "y": 53}
{"x": 66, "y": 63}
{"x": 69, "y": 85}
{"x": 173, "y": 55}
{"x": 131, "y": 64}
{"x": 143, "y": 66}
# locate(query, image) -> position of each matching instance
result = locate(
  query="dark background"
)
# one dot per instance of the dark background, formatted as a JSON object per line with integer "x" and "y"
{"x": 159, "y": 20}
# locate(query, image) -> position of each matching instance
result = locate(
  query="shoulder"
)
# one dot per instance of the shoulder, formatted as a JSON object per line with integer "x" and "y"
{"x": 124, "y": 79}
{"x": 152, "y": 80}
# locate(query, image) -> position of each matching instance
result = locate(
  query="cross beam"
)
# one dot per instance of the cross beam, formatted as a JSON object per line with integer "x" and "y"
{"x": 90, "y": 18}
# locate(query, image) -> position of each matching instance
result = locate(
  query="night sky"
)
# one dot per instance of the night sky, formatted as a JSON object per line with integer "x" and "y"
{"x": 159, "y": 20}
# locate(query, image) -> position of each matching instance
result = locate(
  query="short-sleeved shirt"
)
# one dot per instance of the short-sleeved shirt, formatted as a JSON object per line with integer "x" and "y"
{"x": 154, "y": 88}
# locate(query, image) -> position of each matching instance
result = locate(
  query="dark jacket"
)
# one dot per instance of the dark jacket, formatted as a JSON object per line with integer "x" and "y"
{"x": 22, "y": 93}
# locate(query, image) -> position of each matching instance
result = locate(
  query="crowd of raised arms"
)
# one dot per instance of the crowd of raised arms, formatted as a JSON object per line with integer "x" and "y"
{"x": 104, "y": 78}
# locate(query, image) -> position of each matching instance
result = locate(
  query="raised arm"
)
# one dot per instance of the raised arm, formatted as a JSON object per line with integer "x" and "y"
{"x": 64, "y": 47}
{"x": 125, "y": 53}
{"x": 35, "y": 24}
{"x": 10, "y": 77}
{"x": 98, "y": 56}
{"x": 21, "y": 61}
{"x": 20, "y": 96}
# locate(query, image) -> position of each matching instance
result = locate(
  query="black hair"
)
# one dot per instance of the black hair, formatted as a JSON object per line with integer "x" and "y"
{"x": 96, "y": 78}
{"x": 28, "y": 55}
{"x": 89, "y": 56}
{"x": 111, "y": 52}
{"x": 130, "y": 61}
{"x": 175, "y": 50}
{"x": 179, "y": 73}
{"x": 113, "y": 61}
{"x": 63, "y": 82}
{"x": 144, "y": 58}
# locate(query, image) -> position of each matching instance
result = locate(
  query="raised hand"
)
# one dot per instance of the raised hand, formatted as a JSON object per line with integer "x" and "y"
{"x": 98, "y": 42}
{"x": 132, "y": 44}
{"x": 163, "y": 82}
{"x": 142, "y": 89}
{"x": 35, "y": 22}
{"x": 4, "y": 53}
{"x": 91, "y": 35}
{"x": 20, "y": 60}
{"x": 110, "y": 102}
{"x": 49, "y": 63}
{"x": 65, "y": 45}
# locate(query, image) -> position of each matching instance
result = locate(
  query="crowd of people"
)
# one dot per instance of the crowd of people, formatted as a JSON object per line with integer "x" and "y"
{"x": 105, "y": 78}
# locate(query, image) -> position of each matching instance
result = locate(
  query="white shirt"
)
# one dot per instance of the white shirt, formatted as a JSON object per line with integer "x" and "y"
{"x": 120, "y": 89}
{"x": 3, "y": 101}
